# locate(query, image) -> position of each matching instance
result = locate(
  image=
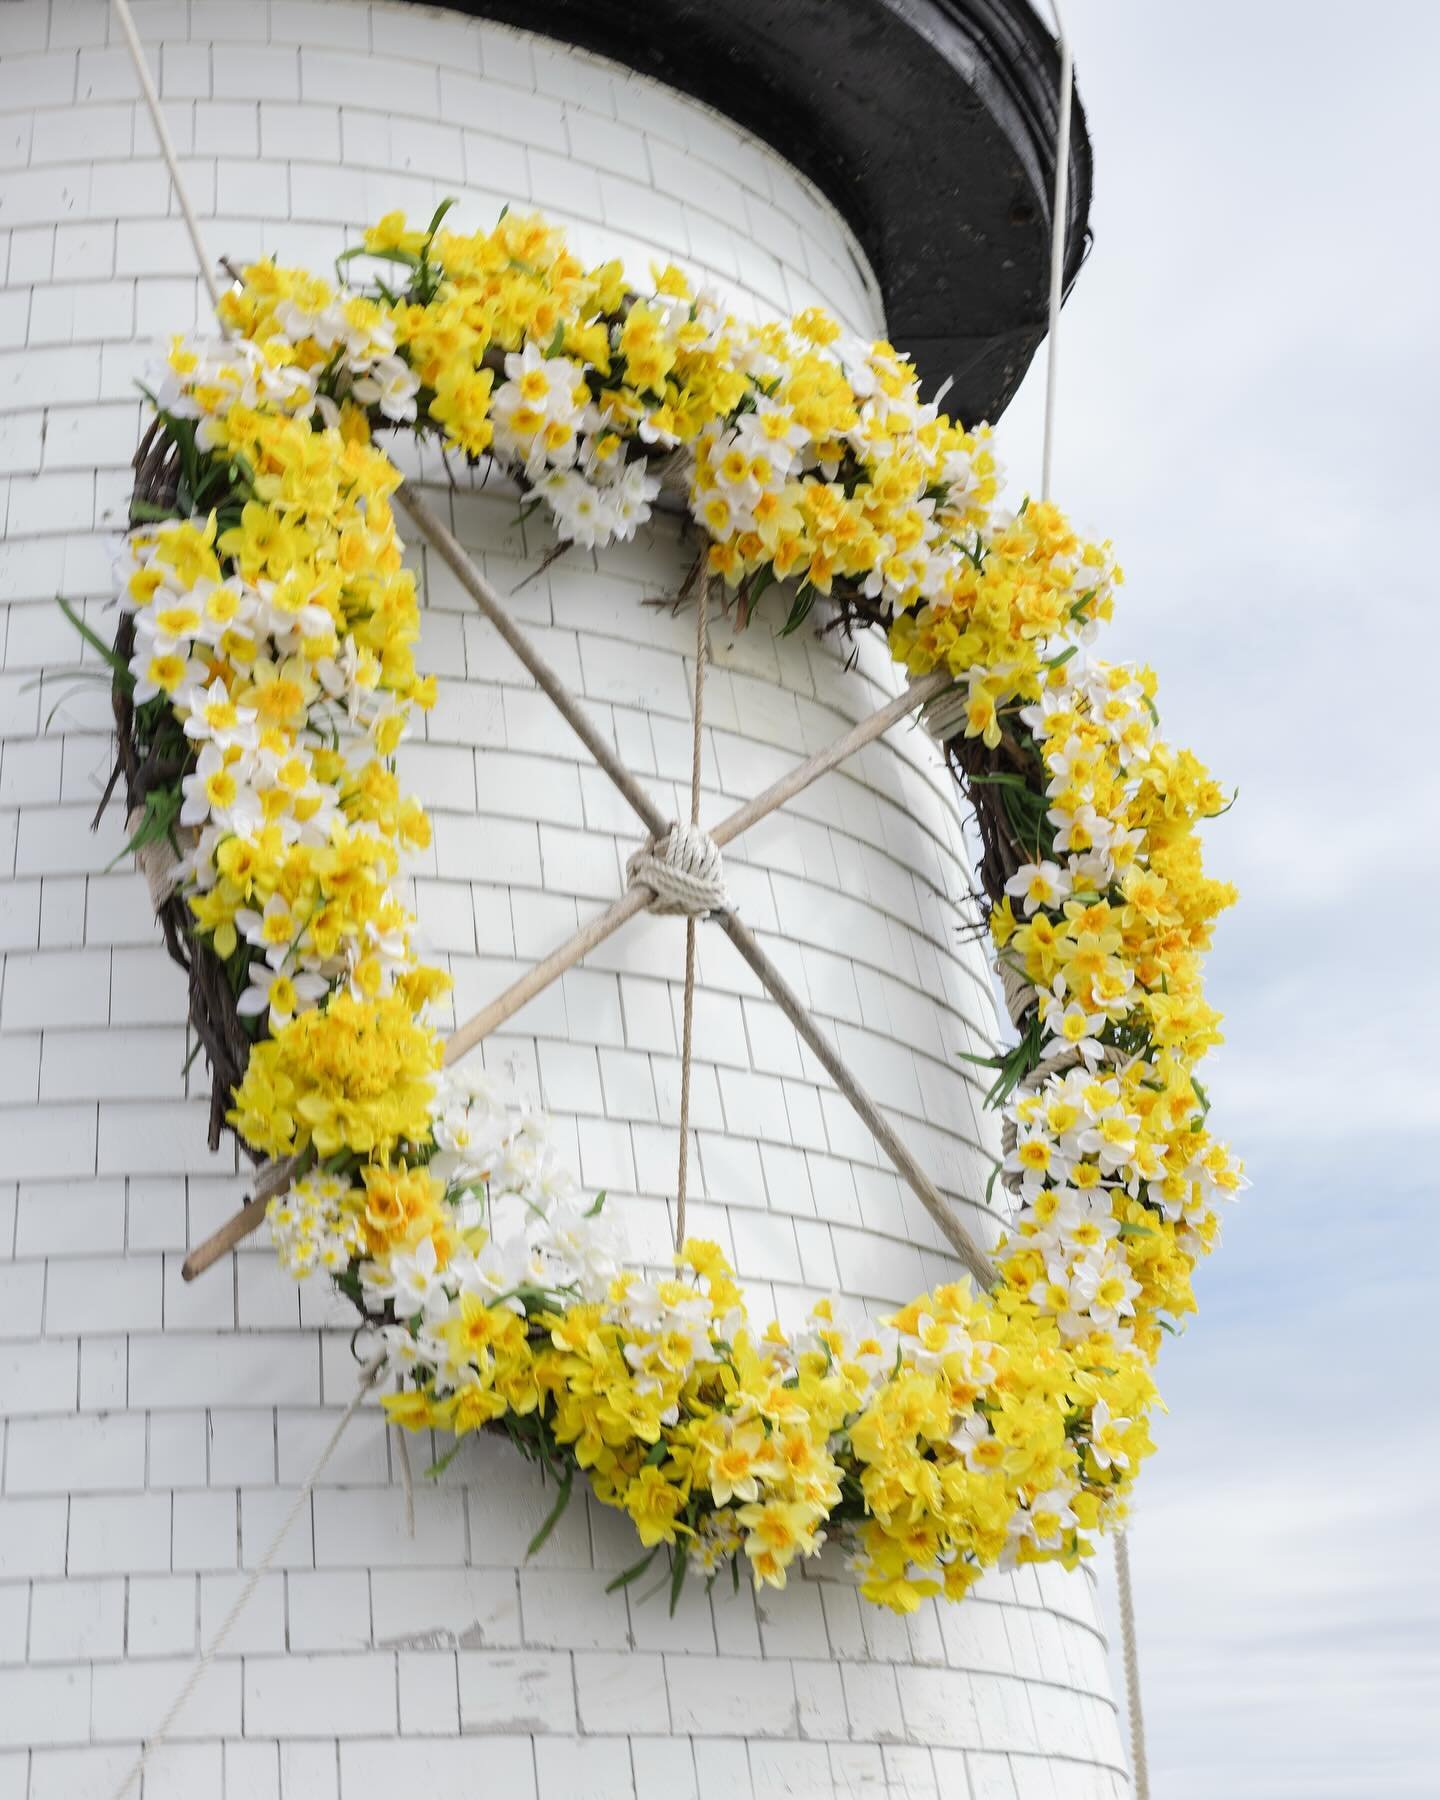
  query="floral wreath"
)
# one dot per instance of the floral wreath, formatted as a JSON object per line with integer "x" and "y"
{"x": 263, "y": 678}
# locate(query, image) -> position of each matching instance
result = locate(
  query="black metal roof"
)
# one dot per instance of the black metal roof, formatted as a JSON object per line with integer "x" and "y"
{"x": 930, "y": 124}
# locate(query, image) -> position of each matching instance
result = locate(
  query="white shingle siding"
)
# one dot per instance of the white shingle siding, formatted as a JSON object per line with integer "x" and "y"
{"x": 154, "y": 1434}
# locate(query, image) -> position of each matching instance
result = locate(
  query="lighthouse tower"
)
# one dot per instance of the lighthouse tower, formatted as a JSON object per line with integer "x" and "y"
{"x": 888, "y": 161}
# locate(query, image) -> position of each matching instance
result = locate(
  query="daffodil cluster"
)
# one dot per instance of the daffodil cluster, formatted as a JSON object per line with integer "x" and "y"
{"x": 273, "y": 631}
{"x": 273, "y": 627}
{"x": 1117, "y": 1172}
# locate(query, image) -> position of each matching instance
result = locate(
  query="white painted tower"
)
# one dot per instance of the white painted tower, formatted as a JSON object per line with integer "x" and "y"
{"x": 154, "y": 1433}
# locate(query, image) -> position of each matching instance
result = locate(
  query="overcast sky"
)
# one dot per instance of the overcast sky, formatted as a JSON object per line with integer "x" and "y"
{"x": 1247, "y": 406}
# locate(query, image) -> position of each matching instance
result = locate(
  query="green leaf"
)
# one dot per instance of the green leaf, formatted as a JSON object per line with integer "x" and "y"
{"x": 1226, "y": 807}
{"x": 552, "y": 1519}
{"x": 1002, "y": 780}
{"x": 633, "y": 1573}
{"x": 162, "y": 808}
{"x": 442, "y": 1463}
{"x": 763, "y": 578}
{"x": 593, "y": 1209}
{"x": 799, "y": 612}
{"x": 437, "y": 218}
{"x": 97, "y": 644}
{"x": 679, "y": 1565}
{"x": 407, "y": 257}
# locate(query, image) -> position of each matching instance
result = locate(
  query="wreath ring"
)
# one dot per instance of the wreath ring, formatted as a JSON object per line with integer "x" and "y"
{"x": 263, "y": 676}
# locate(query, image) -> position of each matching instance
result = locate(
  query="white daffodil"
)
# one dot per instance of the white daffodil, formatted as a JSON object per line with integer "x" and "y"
{"x": 416, "y": 1284}
{"x": 1048, "y": 1518}
{"x": 586, "y": 1249}
{"x": 276, "y": 929}
{"x": 219, "y": 788}
{"x": 1071, "y": 1027}
{"x": 162, "y": 672}
{"x": 1105, "y": 1291}
{"x": 631, "y": 497}
{"x": 977, "y": 1444}
{"x": 211, "y": 713}
{"x": 391, "y": 384}
{"x": 1105, "y": 1437}
{"x": 583, "y": 513}
{"x": 1037, "y": 1159}
{"x": 279, "y": 995}
{"x": 403, "y": 1352}
{"x": 1111, "y": 1140}
{"x": 1039, "y": 884}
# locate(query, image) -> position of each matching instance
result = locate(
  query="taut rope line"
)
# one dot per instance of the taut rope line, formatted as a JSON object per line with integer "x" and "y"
{"x": 167, "y": 149}
{"x": 702, "y": 651}
{"x": 1058, "y": 224}
{"x": 1129, "y": 1651}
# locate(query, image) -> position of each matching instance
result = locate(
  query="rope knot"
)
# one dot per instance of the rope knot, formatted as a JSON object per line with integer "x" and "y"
{"x": 157, "y": 862}
{"x": 946, "y": 714}
{"x": 684, "y": 871}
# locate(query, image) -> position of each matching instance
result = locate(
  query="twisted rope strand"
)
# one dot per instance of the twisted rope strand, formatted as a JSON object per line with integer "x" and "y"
{"x": 1129, "y": 1651}
{"x": 167, "y": 149}
{"x": 1058, "y": 222}
{"x": 702, "y": 650}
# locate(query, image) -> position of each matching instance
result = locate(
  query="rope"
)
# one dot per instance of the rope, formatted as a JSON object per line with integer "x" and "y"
{"x": 407, "y": 1478}
{"x": 946, "y": 714}
{"x": 167, "y": 148}
{"x": 156, "y": 861}
{"x": 684, "y": 871}
{"x": 702, "y": 652}
{"x": 368, "y": 1377}
{"x": 686, "y": 874}
{"x": 1131, "y": 1655}
{"x": 1058, "y": 223}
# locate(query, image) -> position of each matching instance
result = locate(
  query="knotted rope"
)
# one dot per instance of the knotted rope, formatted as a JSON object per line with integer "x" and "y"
{"x": 684, "y": 871}
{"x": 157, "y": 862}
